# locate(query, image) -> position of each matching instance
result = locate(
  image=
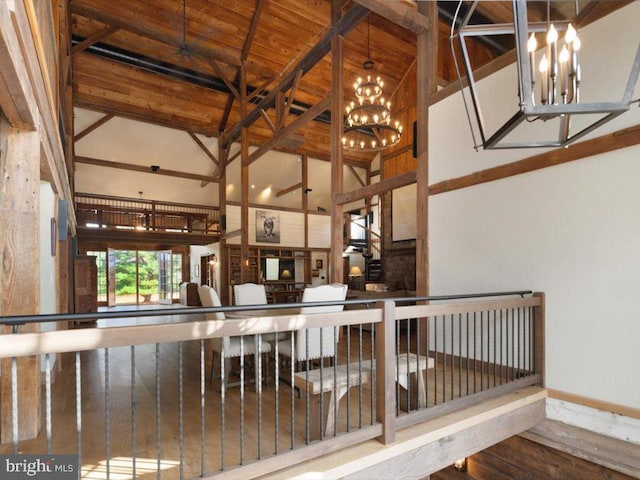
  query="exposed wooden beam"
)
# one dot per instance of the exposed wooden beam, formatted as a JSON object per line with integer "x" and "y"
{"x": 292, "y": 92}
{"x": 596, "y": 10}
{"x": 95, "y": 38}
{"x": 399, "y": 13}
{"x": 347, "y": 23}
{"x": 143, "y": 169}
{"x": 233, "y": 234}
{"x": 223, "y": 77}
{"x": 576, "y": 151}
{"x": 261, "y": 88}
{"x": 93, "y": 126}
{"x": 144, "y": 236}
{"x": 268, "y": 121}
{"x": 290, "y": 189}
{"x": 377, "y": 188}
{"x": 226, "y": 55}
{"x": 396, "y": 152}
{"x": 303, "y": 119}
{"x": 204, "y": 148}
{"x": 355, "y": 174}
{"x": 248, "y": 41}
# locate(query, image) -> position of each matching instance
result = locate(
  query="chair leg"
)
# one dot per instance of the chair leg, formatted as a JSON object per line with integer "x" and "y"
{"x": 214, "y": 356}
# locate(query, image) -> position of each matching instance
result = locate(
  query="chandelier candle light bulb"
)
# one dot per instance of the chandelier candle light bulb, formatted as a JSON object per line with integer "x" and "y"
{"x": 544, "y": 67}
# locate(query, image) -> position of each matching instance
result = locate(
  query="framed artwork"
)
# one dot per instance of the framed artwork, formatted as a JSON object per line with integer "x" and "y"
{"x": 267, "y": 226}
{"x": 315, "y": 273}
{"x": 319, "y": 263}
{"x": 403, "y": 213}
{"x": 196, "y": 271}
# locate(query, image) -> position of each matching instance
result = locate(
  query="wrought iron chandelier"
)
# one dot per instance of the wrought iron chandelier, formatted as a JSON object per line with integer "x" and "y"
{"x": 368, "y": 124}
{"x": 550, "y": 93}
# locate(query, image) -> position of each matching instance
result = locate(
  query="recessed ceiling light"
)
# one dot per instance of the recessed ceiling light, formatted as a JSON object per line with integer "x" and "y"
{"x": 253, "y": 186}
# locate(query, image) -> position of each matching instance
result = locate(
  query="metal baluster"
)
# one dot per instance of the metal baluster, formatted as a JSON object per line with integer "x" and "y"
{"x": 495, "y": 346}
{"x": 14, "y": 403}
{"x": 519, "y": 349}
{"x": 202, "y": 399}
{"x": 181, "y": 409}
{"x": 506, "y": 352}
{"x": 306, "y": 414}
{"x": 481, "y": 351}
{"x": 531, "y": 339}
{"x": 397, "y": 360}
{"x": 348, "y": 361}
{"x": 488, "y": 349}
{"x": 47, "y": 409}
{"x": 294, "y": 354}
{"x": 459, "y": 355}
{"x": 468, "y": 331}
{"x": 223, "y": 401}
{"x": 335, "y": 380}
{"x": 258, "y": 378}
{"x": 501, "y": 331}
{"x": 452, "y": 355}
{"x": 277, "y": 390}
{"x": 78, "y": 410}
{"x": 475, "y": 354}
{"x": 407, "y": 362}
{"x": 444, "y": 358}
{"x": 426, "y": 350}
{"x": 158, "y": 414}
{"x": 360, "y": 378}
{"x": 321, "y": 383}
{"x": 513, "y": 346}
{"x": 435, "y": 366}
{"x": 107, "y": 431}
{"x": 133, "y": 412}
{"x": 418, "y": 370}
{"x": 241, "y": 400}
{"x": 373, "y": 372}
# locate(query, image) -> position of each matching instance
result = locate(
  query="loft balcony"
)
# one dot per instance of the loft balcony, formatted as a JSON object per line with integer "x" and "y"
{"x": 135, "y": 394}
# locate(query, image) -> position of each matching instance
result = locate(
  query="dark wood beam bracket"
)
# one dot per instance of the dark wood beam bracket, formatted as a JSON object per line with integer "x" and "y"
{"x": 93, "y": 126}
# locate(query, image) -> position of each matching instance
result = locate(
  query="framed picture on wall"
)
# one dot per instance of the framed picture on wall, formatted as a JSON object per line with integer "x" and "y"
{"x": 319, "y": 263}
{"x": 267, "y": 226}
{"x": 315, "y": 272}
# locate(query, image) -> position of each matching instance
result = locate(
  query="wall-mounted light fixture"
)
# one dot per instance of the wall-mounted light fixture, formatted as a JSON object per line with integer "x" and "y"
{"x": 155, "y": 168}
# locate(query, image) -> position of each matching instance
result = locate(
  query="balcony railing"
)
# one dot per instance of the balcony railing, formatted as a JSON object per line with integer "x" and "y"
{"x": 100, "y": 211}
{"x": 137, "y": 399}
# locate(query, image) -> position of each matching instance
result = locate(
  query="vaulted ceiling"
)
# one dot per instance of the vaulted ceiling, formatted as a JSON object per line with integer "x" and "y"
{"x": 176, "y": 62}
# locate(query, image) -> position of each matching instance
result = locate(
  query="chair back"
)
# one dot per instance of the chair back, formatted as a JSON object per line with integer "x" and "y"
{"x": 322, "y": 293}
{"x": 249, "y": 294}
{"x": 209, "y": 298}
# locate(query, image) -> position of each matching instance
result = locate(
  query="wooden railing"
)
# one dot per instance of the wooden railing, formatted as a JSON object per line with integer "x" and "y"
{"x": 215, "y": 431}
{"x": 100, "y": 211}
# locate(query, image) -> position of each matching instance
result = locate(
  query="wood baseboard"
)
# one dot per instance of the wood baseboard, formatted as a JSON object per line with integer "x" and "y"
{"x": 595, "y": 403}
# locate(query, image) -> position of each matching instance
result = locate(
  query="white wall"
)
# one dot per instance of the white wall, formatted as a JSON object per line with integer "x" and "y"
{"x": 570, "y": 231}
{"x": 47, "y": 262}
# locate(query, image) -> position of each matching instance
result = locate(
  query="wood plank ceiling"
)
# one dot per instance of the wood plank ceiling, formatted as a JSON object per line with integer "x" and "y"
{"x": 171, "y": 62}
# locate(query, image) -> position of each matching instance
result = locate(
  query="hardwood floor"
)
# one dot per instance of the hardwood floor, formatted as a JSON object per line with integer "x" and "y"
{"x": 244, "y": 411}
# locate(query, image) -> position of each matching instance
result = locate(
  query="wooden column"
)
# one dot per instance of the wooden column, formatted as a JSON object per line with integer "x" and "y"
{"x": 539, "y": 337}
{"x": 385, "y": 386}
{"x": 20, "y": 274}
{"x": 223, "y": 261}
{"x": 337, "y": 171}
{"x": 244, "y": 179}
{"x": 305, "y": 198}
{"x": 427, "y": 61}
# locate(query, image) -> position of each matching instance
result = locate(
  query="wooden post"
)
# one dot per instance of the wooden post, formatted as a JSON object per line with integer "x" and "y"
{"x": 426, "y": 68}
{"x": 20, "y": 274}
{"x": 244, "y": 180}
{"x": 223, "y": 156}
{"x": 337, "y": 173}
{"x": 385, "y": 386}
{"x": 539, "y": 338}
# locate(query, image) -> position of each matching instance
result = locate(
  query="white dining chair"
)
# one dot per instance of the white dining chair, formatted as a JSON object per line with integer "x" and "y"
{"x": 249, "y": 294}
{"x": 228, "y": 347}
{"x": 307, "y": 342}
